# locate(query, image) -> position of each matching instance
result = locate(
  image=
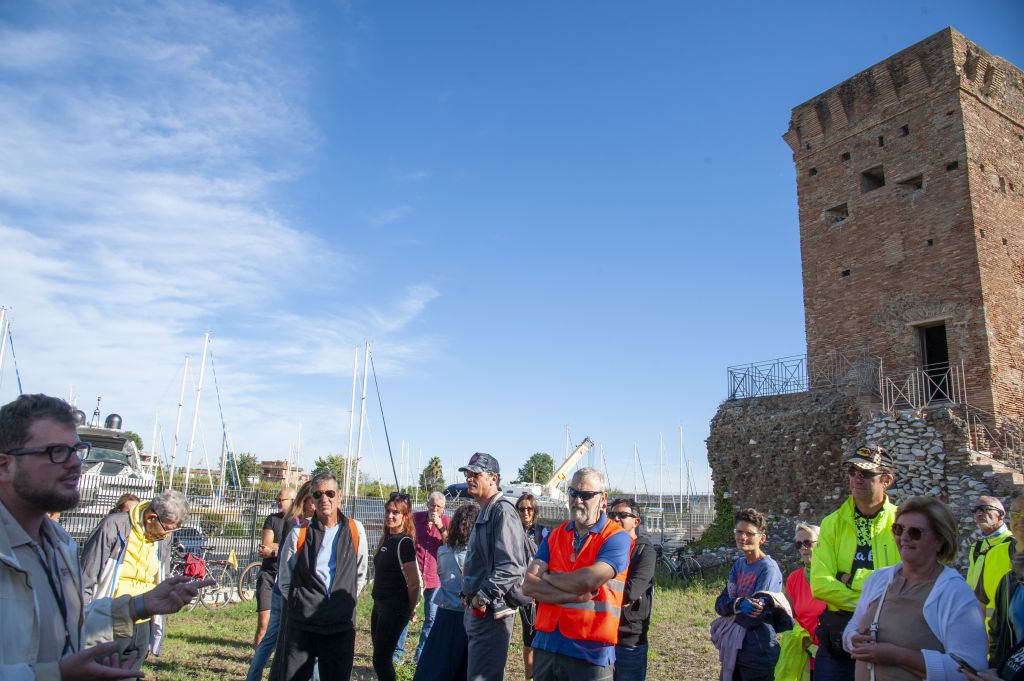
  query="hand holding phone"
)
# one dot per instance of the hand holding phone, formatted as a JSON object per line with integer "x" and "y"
{"x": 963, "y": 663}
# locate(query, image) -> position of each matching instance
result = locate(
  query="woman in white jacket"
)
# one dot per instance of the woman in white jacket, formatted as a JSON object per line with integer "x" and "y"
{"x": 927, "y": 611}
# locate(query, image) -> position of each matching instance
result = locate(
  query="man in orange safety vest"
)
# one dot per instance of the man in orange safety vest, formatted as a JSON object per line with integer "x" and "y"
{"x": 578, "y": 577}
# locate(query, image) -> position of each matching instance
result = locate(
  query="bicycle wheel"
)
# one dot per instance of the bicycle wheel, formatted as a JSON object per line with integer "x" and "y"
{"x": 221, "y": 593}
{"x": 247, "y": 581}
{"x": 665, "y": 568}
{"x": 690, "y": 570}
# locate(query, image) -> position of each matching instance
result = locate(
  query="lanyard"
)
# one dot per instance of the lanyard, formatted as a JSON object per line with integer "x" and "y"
{"x": 56, "y": 588}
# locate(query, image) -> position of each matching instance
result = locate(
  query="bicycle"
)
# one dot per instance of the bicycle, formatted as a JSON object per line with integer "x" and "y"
{"x": 247, "y": 580}
{"x": 220, "y": 570}
{"x": 678, "y": 566}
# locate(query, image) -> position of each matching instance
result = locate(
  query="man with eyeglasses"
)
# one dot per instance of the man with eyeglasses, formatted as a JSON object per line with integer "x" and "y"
{"x": 989, "y": 558}
{"x": 855, "y": 540}
{"x": 578, "y": 578}
{"x": 123, "y": 556}
{"x": 493, "y": 572}
{"x": 322, "y": 571}
{"x": 637, "y": 599}
{"x": 48, "y": 631}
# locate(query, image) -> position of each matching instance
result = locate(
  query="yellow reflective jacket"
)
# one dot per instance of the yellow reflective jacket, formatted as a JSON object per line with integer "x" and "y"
{"x": 837, "y": 543}
{"x": 996, "y": 562}
{"x": 794, "y": 660}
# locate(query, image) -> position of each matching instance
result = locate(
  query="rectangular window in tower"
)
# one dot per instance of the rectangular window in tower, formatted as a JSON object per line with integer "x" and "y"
{"x": 912, "y": 184}
{"x": 904, "y": 131}
{"x": 836, "y": 215}
{"x": 872, "y": 179}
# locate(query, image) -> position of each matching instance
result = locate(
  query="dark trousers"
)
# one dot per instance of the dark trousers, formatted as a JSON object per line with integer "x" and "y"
{"x": 334, "y": 652}
{"x": 557, "y": 667}
{"x": 388, "y": 618}
{"x": 828, "y": 668}
{"x": 741, "y": 673}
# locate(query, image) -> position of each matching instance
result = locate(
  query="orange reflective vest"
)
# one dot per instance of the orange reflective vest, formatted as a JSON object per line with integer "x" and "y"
{"x": 598, "y": 618}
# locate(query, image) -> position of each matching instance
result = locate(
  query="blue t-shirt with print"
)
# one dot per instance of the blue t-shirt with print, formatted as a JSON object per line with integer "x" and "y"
{"x": 615, "y": 552}
{"x": 760, "y": 648}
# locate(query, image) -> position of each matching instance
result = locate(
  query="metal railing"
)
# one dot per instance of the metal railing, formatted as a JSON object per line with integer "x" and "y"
{"x": 860, "y": 371}
{"x": 924, "y": 386}
{"x": 1006, "y": 442}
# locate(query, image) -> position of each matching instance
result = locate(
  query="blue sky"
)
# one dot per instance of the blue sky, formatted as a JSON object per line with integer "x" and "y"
{"x": 540, "y": 214}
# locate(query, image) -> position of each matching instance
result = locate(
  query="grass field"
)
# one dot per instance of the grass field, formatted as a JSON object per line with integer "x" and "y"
{"x": 208, "y": 645}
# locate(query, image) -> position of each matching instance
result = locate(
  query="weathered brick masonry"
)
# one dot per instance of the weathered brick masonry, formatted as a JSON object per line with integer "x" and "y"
{"x": 910, "y": 178}
{"x": 910, "y": 183}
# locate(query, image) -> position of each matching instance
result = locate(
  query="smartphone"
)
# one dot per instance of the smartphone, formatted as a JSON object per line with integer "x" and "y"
{"x": 963, "y": 663}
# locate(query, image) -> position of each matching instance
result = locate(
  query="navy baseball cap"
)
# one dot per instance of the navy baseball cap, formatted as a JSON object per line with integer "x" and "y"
{"x": 481, "y": 463}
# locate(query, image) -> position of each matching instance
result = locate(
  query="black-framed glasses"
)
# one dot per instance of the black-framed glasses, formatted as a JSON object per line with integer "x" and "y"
{"x": 329, "y": 493}
{"x": 914, "y": 533}
{"x": 580, "y": 494}
{"x": 615, "y": 515}
{"x": 855, "y": 472}
{"x": 163, "y": 528}
{"x": 805, "y": 544}
{"x": 58, "y": 453}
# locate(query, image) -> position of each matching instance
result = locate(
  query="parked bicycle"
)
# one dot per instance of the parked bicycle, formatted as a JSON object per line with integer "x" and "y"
{"x": 197, "y": 566}
{"x": 678, "y": 565}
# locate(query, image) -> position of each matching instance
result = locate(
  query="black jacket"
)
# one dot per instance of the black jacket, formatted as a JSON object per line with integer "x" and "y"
{"x": 1000, "y": 632}
{"x": 311, "y": 605}
{"x": 637, "y": 599}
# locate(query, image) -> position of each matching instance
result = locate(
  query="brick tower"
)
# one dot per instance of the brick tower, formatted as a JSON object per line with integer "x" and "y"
{"x": 910, "y": 179}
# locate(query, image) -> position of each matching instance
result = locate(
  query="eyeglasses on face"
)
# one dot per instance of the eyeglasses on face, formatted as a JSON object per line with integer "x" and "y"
{"x": 285, "y": 500}
{"x": 805, "y": 544}
{"x": 616, "y": 515}
{"x": 914, "y": 533}
{"x": 58, "y": 453}
{"x": 526, "y": 509}
{"x": 855, "y": 472}
{"x": 329, "y": 493}
{"x": 985, "y": 508}
{"x": 163, "y": 528}
{"x": 580, "y": 494}
{"x": 744, "y": 533}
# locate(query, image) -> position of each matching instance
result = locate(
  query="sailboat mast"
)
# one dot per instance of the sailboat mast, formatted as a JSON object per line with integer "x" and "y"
{"x": 362, "y": 412}
{"x": 351, "y": 419}
{"x": 153, "y": 441}
{"x": 195, "y": 411}
{"x": 177, "y": 421}
{"x": 635, "y": 461}
{"x": 661, "y": 483}
{"x": 3, "y": 333}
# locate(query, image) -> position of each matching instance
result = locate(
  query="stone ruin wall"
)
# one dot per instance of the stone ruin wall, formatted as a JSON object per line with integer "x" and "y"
{"x": 782, "y": 455}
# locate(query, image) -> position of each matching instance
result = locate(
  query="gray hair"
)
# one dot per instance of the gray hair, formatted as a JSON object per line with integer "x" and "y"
{"x": 584, "y": 473}
{"x": 323, "y": 476}
{"x": 810, "y": 529}
{"x": 170, "y": 507}
{"x": 435, "y": 496}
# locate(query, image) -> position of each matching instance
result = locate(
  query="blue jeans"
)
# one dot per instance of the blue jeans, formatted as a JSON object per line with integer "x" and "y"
{"x": 269, "y": 640}
{"x": 429, "y": 613}
{"x": 630, "y": 663}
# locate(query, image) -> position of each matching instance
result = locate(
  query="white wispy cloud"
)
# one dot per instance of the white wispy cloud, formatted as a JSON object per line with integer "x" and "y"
{"x": 141, "y": 149}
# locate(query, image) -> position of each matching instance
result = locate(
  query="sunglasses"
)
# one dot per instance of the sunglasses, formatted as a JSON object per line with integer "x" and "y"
{"x": 525, "y": 509}
{"x": 805, "y": 544}
{"x": 329, "y": 493}
{"x": 986, "y": 508}
{"x": 578, "y": 494}
{"x": 855, "y": 472}
{"x": 616, "y": 515}
{"x": 914, "y": 533}
{"x": 57, "y": 453}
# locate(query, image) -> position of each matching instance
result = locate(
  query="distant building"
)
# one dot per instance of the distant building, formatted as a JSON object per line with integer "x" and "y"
{"x": 282, "y": 473}
{"x": 910, "y": 180}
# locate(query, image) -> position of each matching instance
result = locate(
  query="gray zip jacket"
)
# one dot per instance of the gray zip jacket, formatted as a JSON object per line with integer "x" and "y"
{"x": 496, "y": 555}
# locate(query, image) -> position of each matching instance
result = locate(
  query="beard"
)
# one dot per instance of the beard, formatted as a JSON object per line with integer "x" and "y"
{"x": 48, "y": 501}
{"x": 579, "y": 514}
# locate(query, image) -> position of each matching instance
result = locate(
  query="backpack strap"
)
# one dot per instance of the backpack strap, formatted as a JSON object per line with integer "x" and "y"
{"x": 353, "y": 530}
